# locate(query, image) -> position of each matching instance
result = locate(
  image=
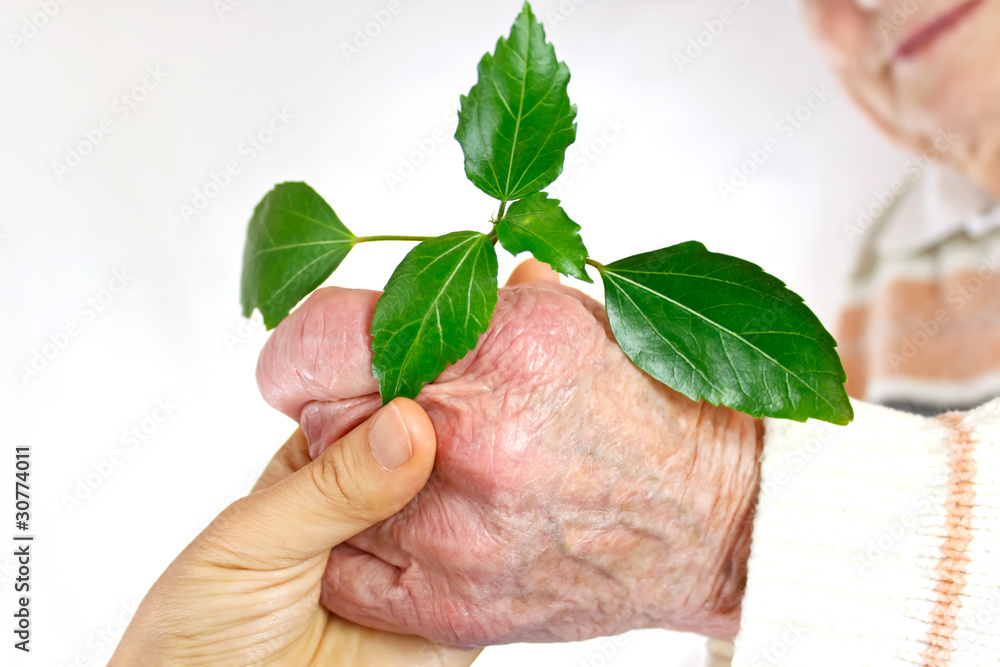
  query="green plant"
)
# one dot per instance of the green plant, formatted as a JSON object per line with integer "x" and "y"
{"x": 710, "y": 326}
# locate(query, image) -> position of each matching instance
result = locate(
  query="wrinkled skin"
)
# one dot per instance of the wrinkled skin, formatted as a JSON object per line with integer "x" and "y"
{"x": 572, "y": 496}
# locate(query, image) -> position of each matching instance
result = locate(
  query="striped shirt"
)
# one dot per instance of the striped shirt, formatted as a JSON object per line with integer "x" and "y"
{"x": 921, "y": 328}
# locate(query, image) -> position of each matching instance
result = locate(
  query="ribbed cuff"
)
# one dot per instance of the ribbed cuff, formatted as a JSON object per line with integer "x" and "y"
{"x": 976, "y": 639}
{"x": 873, "y": 542}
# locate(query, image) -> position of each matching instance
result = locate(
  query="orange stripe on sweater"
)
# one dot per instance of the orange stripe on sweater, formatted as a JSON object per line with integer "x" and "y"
{"x": 952, "y": 567}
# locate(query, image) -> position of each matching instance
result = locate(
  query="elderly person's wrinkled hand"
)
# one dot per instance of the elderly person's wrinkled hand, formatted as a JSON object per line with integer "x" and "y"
{"x": 572, "y": 496}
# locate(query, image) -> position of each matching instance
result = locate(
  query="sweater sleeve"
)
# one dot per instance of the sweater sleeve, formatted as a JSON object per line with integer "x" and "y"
{"x": 876, "y": 543}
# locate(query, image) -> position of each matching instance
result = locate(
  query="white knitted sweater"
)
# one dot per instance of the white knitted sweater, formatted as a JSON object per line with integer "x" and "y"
{"x": 876, "y": 543}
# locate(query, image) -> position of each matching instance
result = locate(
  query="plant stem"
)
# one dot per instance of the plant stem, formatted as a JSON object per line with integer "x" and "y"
{"x": 492, "y": 236}
{"x": 503, "y": 209}
{"x": 390, "y": 237}
{"x": 594, "y": 263}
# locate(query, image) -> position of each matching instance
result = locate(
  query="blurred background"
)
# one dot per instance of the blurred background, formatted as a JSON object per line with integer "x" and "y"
{"x": 138, "y": 136}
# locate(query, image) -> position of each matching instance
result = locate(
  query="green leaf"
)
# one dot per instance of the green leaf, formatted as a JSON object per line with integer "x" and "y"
{"x": 718, "y": 328}
{"x": 437, "y": 303}
{"x": 294, "y": 242}
{"x": 540, "y": 226}
{"x": 517, "y": 121}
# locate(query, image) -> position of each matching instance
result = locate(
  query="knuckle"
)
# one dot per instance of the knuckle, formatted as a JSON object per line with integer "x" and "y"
{"x": 338, "y": 475}
{"x": 223, "y": 523}
{"x": 220, "y": 541}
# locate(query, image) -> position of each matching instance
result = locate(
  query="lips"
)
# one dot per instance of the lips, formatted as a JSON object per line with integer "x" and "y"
{"x": 929, "y": 32}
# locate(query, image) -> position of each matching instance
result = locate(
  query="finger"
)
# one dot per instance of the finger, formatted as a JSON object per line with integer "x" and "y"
{"x": 387, "y": 649}
{"x": 530, "y": 271}
{"x": 294, "y": 454}
{"x": 362, "y": 479}
{"x": 321, "y": 352}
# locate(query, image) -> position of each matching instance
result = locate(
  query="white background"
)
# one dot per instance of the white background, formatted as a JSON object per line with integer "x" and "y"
{"x": 175, "y": 333}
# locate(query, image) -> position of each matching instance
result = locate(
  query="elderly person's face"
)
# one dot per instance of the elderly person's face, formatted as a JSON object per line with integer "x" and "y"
{"x": 922, "y": 69}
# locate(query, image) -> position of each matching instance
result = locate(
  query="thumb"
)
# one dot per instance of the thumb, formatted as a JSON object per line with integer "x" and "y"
{"x": 530, "y": 271}
{"x": 365, "y": 477}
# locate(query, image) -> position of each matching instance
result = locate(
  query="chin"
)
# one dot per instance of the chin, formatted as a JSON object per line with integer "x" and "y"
{"x": 973, "y": 129}
{"x": 965, "y": 108}
{"x": 980, "y": 161}
{"x": 955, "y": 90}
{"x": 961, "y": 93}
{"x": 940, "y": 79}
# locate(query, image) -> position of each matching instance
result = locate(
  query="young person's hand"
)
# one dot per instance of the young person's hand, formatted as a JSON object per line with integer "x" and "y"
{"x": 246, "y": 591}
